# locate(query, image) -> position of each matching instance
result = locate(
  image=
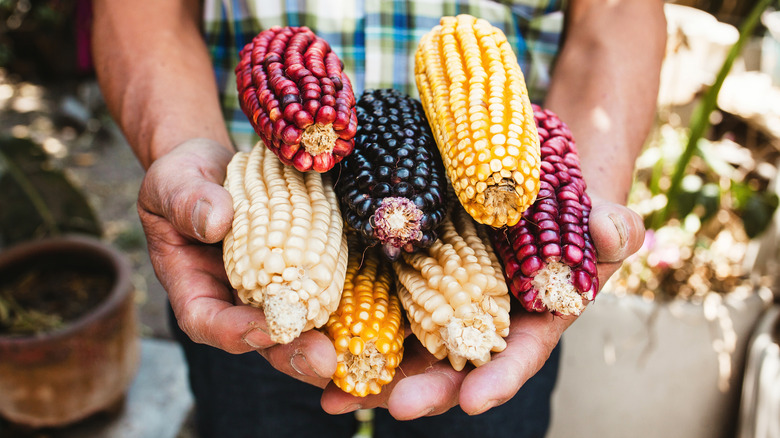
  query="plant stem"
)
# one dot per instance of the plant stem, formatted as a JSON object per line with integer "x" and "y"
{"x": 32, "y": 193}
{"x": 700, "y": 119}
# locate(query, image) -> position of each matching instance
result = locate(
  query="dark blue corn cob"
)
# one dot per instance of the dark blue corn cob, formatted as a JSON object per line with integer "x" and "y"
{"x": 392, "y": 188}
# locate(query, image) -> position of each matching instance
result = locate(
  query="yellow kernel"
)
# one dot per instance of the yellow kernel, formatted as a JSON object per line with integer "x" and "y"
{"x": 495, "y": 165}
{"x": 356, "y": 346}
{"x": 342, "y": 343}
{"x": 369, "y": 333}
{"x": 341, "y": 370}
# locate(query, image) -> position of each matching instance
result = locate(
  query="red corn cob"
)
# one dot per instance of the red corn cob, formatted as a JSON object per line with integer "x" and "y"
{"x": 548, "y": 257}
{"x": 293, "y": 89}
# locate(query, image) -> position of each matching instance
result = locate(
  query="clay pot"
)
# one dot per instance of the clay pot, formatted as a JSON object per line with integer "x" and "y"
{"x": 633, "y": 367}
{"x": 86, "y": 366}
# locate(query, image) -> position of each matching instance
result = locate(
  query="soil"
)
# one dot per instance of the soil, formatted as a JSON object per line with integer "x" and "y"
{"x": 42, "y": 299}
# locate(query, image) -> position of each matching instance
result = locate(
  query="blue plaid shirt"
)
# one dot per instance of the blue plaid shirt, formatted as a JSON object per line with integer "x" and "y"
{"x": 376, "y": 39}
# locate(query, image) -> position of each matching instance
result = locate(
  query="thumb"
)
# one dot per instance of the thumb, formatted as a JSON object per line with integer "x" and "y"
{"x": 617, "y": 231}
{"x": 184, "y": 186}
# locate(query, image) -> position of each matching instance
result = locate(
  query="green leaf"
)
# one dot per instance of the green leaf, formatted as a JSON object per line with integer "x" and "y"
{"x": 36, "y": 199}
{"x": 700, "y": 119}
{"x": 757, "y": 211}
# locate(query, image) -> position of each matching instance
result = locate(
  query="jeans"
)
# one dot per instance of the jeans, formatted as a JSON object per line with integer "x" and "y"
{"x": 242, "y": 396}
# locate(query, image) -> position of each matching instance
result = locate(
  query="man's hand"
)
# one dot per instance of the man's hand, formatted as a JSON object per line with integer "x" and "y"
{"x": 186, "y": 213}
{"x": 425, "y": 386}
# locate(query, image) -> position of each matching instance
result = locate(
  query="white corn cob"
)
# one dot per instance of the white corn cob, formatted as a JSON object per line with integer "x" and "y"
{"x": 455, "y": 295}
{"x": 286, "y": 251}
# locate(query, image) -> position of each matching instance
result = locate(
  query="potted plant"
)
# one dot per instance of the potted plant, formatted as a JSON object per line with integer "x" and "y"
{"x": 663, "y": 347}
{"x": 68, "y": 333}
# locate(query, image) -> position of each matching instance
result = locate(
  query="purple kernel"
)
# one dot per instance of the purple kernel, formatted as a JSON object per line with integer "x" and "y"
{"x": 563, "y": 177}
{"x": 551, "y": 252}
{"x": 540, "y": 216}
{"x": 521, "y": 284}
{"x": 581, "y": 280}
{"x": 588, "y": 266}
{"x": 550, "y": 179}
{"x": 574, "y": 239}
{"x": 549, "y": 225}
{"x": 572, "y": 255}
{"x": 548, "y": 236}
{"x": 511, "y": 268}
{"x": 575, "y": 211}
{"x": 567, "y": 218}
{"x": 567, "y": 194}
{"x": 526, "y": 251}
{"x": 530, "y": 265}
{"x": 521, "y": 240}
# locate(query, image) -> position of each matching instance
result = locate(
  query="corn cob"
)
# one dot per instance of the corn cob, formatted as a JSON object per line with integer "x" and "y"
{"x": 392, "y": 187}
{"x": 475, "y": 97}
{"x": 286, "y": 251}
{"x": 292, "y": 88}
{"x": 548, "y": 257}
{"x": 367, "y": 328}
{"x": 454, "y": 294}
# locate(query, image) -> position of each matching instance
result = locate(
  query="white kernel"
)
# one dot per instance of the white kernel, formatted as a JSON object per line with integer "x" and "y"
{"x": 276, "y": 239}
{"x": 274, "y": 262}
{"x": 290, "y": 273}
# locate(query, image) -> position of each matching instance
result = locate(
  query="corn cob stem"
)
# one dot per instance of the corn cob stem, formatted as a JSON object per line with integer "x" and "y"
{"x": 455, "y": 295}
{"x": 286, "y": 251}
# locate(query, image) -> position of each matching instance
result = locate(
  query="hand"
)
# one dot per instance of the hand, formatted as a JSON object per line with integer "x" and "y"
{"x": 185, "y": 213}
{"x": 424, "y": 386}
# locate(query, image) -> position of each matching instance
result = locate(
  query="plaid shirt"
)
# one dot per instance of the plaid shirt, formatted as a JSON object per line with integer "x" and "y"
{"x": 376, "y": 39}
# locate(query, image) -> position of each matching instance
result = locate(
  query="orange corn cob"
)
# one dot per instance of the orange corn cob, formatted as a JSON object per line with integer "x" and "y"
{"x": 367, "y": 327}
{"x": 475, "y": 98}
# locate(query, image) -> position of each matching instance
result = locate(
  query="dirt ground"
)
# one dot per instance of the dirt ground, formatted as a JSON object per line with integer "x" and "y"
{"x": 70, "y": 120}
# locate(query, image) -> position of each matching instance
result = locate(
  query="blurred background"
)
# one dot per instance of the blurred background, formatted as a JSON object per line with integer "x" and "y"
{"x": 682, "y": 342}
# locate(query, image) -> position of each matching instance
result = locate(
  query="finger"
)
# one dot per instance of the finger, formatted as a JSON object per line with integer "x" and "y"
{"x": 310, "y": 358}
{"x": 432, "y": 392}
{"x": 423, "y": 385}
{"x": 617, "y": 231}
{"x": 199, "y": 293}
{"x": 529, "y": 344}
{"x": 185, "y": 187}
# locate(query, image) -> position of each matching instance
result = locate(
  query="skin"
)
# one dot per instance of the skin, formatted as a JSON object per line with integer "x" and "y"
{"x": 157, "y": 80}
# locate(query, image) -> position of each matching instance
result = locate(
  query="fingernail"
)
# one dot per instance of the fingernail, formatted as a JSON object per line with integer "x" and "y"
{"x": 427, "y": 412}
{"x": 350, "y": 408}
{"x": 200, "y": 217}
{"x": 300, "y": 364}
{"x": 487, "y": 406}
{"x": 620, "y": 227}
{"x": 256, "y": 338}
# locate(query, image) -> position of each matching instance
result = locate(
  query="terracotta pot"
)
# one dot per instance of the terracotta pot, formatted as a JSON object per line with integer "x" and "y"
{"x": 85, "y": 367}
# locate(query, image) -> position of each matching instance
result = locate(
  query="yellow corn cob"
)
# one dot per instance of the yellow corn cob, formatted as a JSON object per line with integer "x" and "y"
{"x": 455, "y": 295}
{"x": 367, "y": 328}
{"x": 286, "y": 251}
{"x": 475, "y": 97}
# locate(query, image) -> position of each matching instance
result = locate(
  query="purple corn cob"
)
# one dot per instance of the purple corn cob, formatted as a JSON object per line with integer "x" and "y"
{"x": 548, "y": 257}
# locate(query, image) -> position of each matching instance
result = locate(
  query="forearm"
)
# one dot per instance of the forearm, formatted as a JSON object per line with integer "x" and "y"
{"x": 155, "y": 74}
{"x": 605, "y": 85}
